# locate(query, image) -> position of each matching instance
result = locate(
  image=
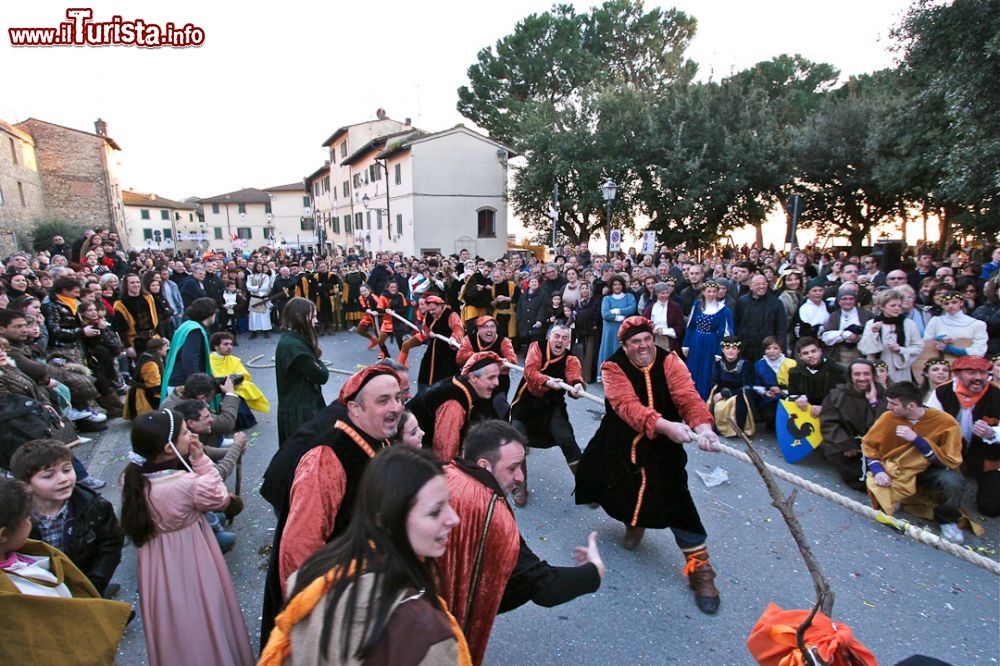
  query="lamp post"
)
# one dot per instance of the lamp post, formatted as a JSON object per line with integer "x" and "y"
{"x": 608, "y": 191}
{"x": 366, "y": 202}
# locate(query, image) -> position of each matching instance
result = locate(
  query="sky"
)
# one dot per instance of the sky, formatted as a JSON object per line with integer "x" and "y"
{"x": 252, "y": 106}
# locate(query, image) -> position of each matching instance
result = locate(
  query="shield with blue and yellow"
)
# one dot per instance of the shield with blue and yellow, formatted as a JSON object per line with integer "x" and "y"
{"x": 798, "y": 431}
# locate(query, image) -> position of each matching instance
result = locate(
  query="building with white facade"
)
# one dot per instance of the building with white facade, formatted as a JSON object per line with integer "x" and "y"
{"x": 430, "y": 193}
{"x": 238, "y": 220}
{"x": 292, "y": 216}
{"x": 152, "y": 221}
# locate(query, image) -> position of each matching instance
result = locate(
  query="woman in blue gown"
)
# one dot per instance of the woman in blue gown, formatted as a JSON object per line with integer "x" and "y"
{"x": 710, "y": 322}
{"x": 616, "y": 306}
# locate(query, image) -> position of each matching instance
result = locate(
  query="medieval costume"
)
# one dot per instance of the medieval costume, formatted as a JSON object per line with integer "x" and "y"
{"x": 703, "y": 340}
{"x": 846, "y": 416}
{"x": 732, "y": 380}
{"x": 449, "y": 407}
{"x": 52, "y": 613}
{"x": 188, "y": 355}
{"x": 305, "y": 285}
{"x": 353, "y": 280}
{"x": 282, "y": 290}
{"x": 636, "y": 474}
{"x": 398, "y": 304}
{"x": 842, "y": 324}
{"x": 314, "y": 506}
{"x": 909, "y": 467}
{"x": 136, "y": 321}
{"x": 439, "y": 360}
{"x": 328, "y": 303}
{"x": 898, "y": 330}
{"x": 488, "y": 567}
{"x": 814, "y": 382}
{"x": 259, "y": 289}
{"x": 769, "y": 375}
{"x": 504, "y": 310}
{"x": 475, "y": 296}
{"x": 539, "y": 412}
{"x": 615, "y": 308}
{"x": 958, "y": 326}
{"x": 366, "y": 321}
{"x": 501, "y": 346}
{"x": 981, "y": 456}
{"x": 144, "y": 394}
{"x": 300, "y": 376}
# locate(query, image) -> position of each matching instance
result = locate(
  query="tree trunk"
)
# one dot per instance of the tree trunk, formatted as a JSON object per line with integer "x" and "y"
{"x": 944, "y": 225}
{"x": 759, "y": 237}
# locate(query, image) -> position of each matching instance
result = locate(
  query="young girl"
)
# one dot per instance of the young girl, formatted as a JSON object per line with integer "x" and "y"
{"x": 881, "y": 374}
{"x": 936, "y": 373}
{"x": 366, "y": 302}
{"x": 189, "y": 607}
{"x": 732, "y": 376}
{"x": 408, "y": 432}
{"x": 56, "y": 615}
{"x": 144, "y": 395}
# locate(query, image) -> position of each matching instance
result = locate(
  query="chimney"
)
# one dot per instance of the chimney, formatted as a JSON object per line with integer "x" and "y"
{"x": 407, "y": 122}
{"x": 101, "y": 127}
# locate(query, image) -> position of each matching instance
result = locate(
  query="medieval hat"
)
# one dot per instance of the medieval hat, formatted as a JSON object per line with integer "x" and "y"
{"x": 352, "y": 387}
{"x": 634, "y": 325}
{"x": 480, "y": 360}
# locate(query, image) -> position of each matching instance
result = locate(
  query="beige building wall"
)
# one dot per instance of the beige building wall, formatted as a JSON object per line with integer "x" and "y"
{"x": 21, "y": 196}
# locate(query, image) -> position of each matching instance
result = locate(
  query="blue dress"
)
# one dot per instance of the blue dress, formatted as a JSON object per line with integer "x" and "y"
{"x": 704, "y": 342}
{"x": 624, "y": 302}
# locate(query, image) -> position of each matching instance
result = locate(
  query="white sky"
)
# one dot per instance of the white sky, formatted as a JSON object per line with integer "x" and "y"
{"x": 251, "y": 107}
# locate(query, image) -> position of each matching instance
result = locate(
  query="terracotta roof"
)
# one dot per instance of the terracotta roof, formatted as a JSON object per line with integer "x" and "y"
{"x": 291, "y": 187}
{"x": 246, "y": 195}
{"x": 317, "y": 173}
{"x": 111, "y": 142}
{"x": 154, "y": 201}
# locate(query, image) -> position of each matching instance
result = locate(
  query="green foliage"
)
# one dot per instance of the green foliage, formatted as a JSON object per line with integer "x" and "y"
{"x": 42, "y": 231}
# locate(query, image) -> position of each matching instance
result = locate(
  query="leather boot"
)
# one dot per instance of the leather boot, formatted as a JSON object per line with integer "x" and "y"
{"x": 112, "y": 404}
{"x": 633, "y": 537}
{"x": 520, "y": 493}
{"x": 701, "y": 577}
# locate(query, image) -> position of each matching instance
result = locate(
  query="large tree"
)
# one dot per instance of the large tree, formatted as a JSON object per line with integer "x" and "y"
{"x": 950, "y": 71}
{"x": 552, "y": 90}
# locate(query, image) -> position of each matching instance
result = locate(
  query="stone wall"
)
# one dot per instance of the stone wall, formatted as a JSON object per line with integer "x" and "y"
{"x": 20, "y": 188}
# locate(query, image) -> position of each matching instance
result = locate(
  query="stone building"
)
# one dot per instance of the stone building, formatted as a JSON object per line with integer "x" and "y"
{"x": 21, "y": 200}
{"x": 78, "y": 174}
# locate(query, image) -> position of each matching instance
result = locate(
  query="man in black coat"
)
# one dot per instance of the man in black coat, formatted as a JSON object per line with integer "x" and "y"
{"x": 760, "y": 314}
{"x": 380, "y": 275}
{"x": 193, "y": 288}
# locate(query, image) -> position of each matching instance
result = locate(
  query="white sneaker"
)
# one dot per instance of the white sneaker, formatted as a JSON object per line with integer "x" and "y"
{"x": 74, "y": 414}
{"x": 95, "y": 416}
{"x": 952, "y": 532}
{"x": 84, "y": 440}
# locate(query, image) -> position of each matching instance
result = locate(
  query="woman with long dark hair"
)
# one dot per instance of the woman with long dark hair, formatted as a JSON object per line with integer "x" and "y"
{"x": 371, "y": 595}
{"x": 300, "y": 372}
{"x": 189, "y": 608}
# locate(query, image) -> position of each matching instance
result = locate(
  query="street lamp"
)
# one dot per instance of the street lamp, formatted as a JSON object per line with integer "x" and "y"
{"x": 608, "y": 191}
{"x": 366, "y": 202}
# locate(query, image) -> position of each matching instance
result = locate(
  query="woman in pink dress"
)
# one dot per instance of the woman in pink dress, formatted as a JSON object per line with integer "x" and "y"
{"x": 189, "y": 607}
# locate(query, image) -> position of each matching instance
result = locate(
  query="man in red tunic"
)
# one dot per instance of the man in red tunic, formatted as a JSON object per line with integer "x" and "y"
{"x": 634, "y": 466}
{"x": 488, "y": 568}
{"x": 439, "y": 359}
{"x": 327, "y": 477}
{"x": 447, "y": 409}
{"x": 539, "y": 408}
{"x": 487, "y": 339}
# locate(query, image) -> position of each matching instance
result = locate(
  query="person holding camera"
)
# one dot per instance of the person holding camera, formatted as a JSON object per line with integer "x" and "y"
{"x": 218, "y": 432}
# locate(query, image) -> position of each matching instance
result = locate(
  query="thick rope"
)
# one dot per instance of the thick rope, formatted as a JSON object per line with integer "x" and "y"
{"x": 903, "y": 527}
{"x": 254, "y": 363}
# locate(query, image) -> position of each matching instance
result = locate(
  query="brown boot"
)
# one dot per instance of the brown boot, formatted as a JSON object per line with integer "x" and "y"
{"x": 520, "y": 493}
{"x": 404, "y": 359}
{"x": 633, "y": 537}
{"x": 700, "y": 579}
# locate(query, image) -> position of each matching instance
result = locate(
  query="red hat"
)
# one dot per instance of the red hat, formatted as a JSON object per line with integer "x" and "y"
{"x": 481, "y": 360}
{"x": 633, "y": 326}
{"x": 971, "y": 363}
{"x": 352, "y": 387}
{"x": 432, "y": 298}
{"x": 485, "y": 319}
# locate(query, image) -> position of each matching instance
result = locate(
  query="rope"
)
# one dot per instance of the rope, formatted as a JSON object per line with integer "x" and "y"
{"x": 918, "y": 534}
{"x": 253, "y": 363}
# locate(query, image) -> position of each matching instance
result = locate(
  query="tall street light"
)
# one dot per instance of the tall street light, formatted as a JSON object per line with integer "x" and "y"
{"x": 608, "y": 191}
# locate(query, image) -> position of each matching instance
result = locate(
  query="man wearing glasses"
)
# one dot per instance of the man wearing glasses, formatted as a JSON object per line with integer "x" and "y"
{"x": 874, "y": 273}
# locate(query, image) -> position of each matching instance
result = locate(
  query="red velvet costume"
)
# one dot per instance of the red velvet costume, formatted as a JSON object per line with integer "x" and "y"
{"x": 636, "y": 474}
{"x": 478, "y": 568}
{"x": 501, "y": 347}
{"x": 439, "y": 359}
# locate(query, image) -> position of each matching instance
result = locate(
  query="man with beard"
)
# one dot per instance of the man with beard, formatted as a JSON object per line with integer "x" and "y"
{"x": 488, "y": 568}
{"x": 322, "y": 491}
{"x": 539, "y": 408}
{"x": 488, "y": 338}
{"x": 439, "y": 360}
{"x": 447, "y": 409}
{"x": 634, "y": 466}
{"x": 847, "y": 413}
{"x": 282, "y": 290}
{"x": 975, "y": 404}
